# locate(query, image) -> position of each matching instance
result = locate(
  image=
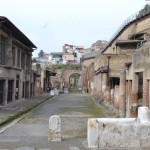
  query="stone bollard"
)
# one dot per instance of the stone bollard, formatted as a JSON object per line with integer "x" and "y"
{"x": 143, "y": 115}
{"x": 54, "y": 128}
{"x": 92, "y": 133}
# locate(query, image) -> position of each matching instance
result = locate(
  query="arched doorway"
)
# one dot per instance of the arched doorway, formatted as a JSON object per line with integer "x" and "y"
{"x": 75, "y": 81}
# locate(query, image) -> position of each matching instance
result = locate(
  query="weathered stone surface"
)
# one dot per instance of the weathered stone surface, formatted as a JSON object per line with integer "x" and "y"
{"x": 92, "y": 133}
{"x": 54, "y": 128}
{"x": 129, "y": 133}
{"x": 143, "y": 115}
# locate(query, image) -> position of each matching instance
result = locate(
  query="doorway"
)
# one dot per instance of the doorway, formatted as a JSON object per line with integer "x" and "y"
{"x": 1, "y": 92}
{"x": 10, "y": 91}
{"x": 17, "y": 87}
{"x": 140, "y": 87}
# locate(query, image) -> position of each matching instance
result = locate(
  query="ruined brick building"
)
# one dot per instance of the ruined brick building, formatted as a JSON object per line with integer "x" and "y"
{"x": 15, "y": 63}
{"x": 120, "y": 74}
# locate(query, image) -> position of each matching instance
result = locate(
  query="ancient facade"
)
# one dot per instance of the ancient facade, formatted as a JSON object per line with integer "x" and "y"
{"x": 15, "y": 63}
{"x": 121, "y": 70}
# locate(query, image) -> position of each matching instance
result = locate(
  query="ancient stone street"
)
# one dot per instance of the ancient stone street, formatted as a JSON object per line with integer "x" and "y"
{"x": 74, "y": 110}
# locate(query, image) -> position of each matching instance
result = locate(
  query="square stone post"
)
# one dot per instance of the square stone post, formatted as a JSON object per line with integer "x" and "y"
{"x": 54, "y": 129}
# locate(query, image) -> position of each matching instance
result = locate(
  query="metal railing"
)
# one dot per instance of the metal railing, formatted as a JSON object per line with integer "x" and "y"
{"x": 130, "y": 19}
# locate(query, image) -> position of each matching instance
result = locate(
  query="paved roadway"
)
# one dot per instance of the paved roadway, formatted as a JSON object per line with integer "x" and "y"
{"x": 32, "y": 132}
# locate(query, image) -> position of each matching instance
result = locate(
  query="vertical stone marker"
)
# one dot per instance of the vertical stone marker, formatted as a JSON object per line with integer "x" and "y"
{"x": 54, "y": 129}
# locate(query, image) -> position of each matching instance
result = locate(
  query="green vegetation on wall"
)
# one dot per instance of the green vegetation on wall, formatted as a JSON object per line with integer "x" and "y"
{"x": 65, "y": 67}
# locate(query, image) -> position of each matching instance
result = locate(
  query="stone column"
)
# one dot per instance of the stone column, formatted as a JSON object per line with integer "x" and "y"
{"x": 122, "y": 94}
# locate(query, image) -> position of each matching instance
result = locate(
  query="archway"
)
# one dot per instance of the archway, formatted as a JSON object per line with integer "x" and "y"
{"x": 75, "y": 80}
{"x": 67, "y": 74}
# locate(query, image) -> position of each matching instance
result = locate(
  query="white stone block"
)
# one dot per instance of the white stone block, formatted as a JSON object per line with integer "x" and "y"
{"x": 66, "y": 90}
{"x": 143, "y": 115}
{"x": 56, "y": 92}
{"x": 52, "y": 92}
{"x": 54, "y": 128}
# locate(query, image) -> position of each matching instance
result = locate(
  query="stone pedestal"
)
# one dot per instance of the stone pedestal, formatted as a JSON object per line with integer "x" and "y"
{"x": 54, "y": 128}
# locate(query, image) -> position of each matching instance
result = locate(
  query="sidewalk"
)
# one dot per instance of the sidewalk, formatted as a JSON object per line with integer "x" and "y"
{"x": 18, "y": 106}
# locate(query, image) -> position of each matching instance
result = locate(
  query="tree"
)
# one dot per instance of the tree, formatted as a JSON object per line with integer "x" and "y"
{"x": 41, "y": 53}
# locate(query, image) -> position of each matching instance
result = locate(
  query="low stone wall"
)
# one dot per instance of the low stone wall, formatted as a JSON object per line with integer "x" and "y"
{"x": 132, "y": 133}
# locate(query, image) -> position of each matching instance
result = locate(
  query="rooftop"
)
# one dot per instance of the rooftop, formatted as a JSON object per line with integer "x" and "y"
{"x": 91, "y": 55}
{"x": 16, "y": 32}
{"x": 129, "y": 21}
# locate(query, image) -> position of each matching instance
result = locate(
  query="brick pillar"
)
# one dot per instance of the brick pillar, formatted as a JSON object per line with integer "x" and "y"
{"x": 112, "y": 97}
{"x": 128, "y": 97}
{"x": 109, "y": 94}
{"x": 145, "y": 91}
{"x": 122, "y": 94}
{"x": 104, "y": 81}
{"x": 134, "y": 96}
{"x": 95, "y": 85}
{"x": 100, "y": 84}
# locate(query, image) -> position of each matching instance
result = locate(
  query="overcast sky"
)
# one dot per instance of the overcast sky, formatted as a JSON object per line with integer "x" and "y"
{"x": 49, "y": 24}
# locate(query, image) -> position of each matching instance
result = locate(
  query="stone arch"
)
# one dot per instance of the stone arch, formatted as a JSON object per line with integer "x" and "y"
{"x": 75, "y": 80}
{"x": 67, "y": 74}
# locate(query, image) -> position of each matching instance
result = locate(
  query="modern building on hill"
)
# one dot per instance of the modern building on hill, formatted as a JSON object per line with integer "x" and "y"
{"x": 56, "y": 57}
{"x": 72, "y": 54}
